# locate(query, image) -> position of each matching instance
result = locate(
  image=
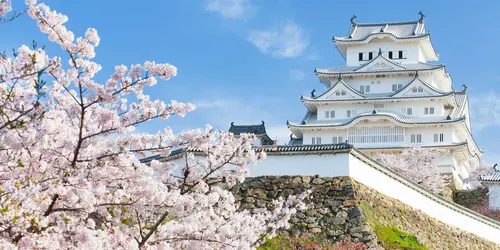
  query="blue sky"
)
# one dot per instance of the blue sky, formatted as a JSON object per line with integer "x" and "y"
{"x": 250, "y": 60}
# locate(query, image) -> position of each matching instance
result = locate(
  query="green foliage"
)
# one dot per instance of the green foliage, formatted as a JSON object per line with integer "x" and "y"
{"x": 289, "y": 243}
{"x": 390, "y": 237}
{"x": 308, "y": 243}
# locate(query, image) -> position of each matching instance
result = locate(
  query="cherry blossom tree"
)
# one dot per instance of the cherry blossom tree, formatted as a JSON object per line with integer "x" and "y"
{"x": 70, "y": 177}
{"x": 417, "y": 164}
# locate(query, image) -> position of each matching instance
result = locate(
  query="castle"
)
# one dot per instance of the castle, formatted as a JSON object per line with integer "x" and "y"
{"x": 388, "y": 96}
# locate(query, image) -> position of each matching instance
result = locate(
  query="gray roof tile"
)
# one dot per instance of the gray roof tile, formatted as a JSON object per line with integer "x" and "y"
{"x": 312, "y": 119}
{"x": 268, "y": 148}
{"x": 352, "y": 69}
{"x": 400, "y": 30}
{"x": 492, "y": 177}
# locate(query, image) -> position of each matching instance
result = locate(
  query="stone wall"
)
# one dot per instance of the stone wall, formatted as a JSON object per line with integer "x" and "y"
{"x": 341, "y": 208}
{"x": 333, "y": 212}
{"x": 468, "y": 198}
{"x": 385, "y": 212}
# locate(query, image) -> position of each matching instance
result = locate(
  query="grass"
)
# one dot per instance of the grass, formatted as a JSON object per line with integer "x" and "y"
{"x": 390, "y": 237}
{"x": 289, "y": 243}
{"x": 393, "y": 238}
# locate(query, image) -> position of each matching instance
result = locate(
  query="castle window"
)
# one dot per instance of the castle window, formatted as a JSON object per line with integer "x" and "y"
{"x": 396, "y": 87}
{"x": 376, "y": 134}
{"x": 407, "y": 111}
{"x": 351, "y": 113}
{"x": 327, "y": 114}
{"x": 420, "y": 89}
{"x": 332, "y": 114}
{"x": 429, "y": 111}
{"x": 390, "y": 54}
{"x": 364, "y": 88}
{"x": 438, "y": 137}
{"x": 370, "y": 55}
{"x": 400, "y": 54}
{"x": 378, "y": 106}
{"x": 337, "y": 139}
{"x": 360, "y": 56}
{"x": 416, "y": 138}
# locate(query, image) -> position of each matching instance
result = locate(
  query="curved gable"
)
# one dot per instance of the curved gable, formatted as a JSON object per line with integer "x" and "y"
{"x": 417, "y": 87}
{"x": 380, "y": 63}
{"x": 340, "y": 87}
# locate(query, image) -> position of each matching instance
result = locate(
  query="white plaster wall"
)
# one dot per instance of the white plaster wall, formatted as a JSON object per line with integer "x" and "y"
{"x": 385, "y": 85}
{"x": 427, "y": 134}
{"x": 411, "y": 50}
{"x": 383, "y": 183}
{"x": 323, "y": 165}
{"x": 417, "y": 106}
{"x": 494, "y": 197}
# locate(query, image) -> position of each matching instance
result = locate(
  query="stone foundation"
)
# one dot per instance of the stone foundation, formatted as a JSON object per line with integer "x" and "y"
{"x": 340, "y": 208}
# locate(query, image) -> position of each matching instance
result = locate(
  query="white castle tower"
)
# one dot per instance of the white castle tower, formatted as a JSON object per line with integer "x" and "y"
{"x": 388, "y": 97}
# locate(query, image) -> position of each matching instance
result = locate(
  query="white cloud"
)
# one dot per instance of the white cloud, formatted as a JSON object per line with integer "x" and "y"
{"x": 287, "y": 40}
{"x": 236, "y": 9}
{"x": 485, "y": 110}
{"x": 297, "y": 75}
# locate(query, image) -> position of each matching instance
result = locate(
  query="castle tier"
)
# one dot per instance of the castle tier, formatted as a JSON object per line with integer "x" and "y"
{"x": 388, "y": 97}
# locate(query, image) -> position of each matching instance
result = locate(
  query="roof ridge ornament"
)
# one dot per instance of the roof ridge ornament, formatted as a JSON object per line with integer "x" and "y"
{"x": 379, "y": 51}
{"x": 353, "y": 23}
{"x": 416, "y": 74}
{"x": 312, "y": 93}
{"x": 421, "y": 20}
{"x": 465, "y": 88}
{"x": 340, "y": 77}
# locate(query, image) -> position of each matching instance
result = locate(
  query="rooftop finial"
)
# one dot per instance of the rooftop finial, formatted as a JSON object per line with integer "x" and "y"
{"x": 232, "y": 123}
{"x": 421, "y": 20}
{"x": 352, "y": 19}
{"x": 312, "y": 93}
{"x": 340, "y": 77}
{"x": 495, "y": 167}
{"x": 262, "y": 122}
{"x": 416, "y": 73}
{"x": 465, "y": 88}
{"x": 379, "y": 51}
{"x": 291, "y": 136}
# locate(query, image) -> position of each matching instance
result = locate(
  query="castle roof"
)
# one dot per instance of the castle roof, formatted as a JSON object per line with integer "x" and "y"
{"x": 354, "y": 70}
{"x": 361, "y": 33}
{"x": 312, "y": 122}
{"x": 358, "y": 96}
{"x": 495, "y": 177}
{"x": 259, "y": 130}
{"x": 399, "y": 30}
{"x": 267, "y": 148}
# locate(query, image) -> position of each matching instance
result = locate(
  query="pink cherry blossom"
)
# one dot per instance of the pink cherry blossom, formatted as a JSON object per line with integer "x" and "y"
{"x": 70, "y": 177}
{"x": 419, "y": 165}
